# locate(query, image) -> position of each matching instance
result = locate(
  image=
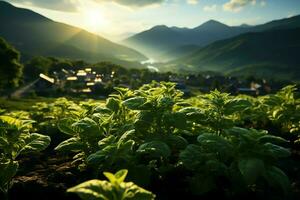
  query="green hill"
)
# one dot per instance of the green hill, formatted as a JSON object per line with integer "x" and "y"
{"x": 34, "y": 34}
{"x": 178, "y": 52}
{"x": 160, "y": 41}
{"x": 272, "y": 53}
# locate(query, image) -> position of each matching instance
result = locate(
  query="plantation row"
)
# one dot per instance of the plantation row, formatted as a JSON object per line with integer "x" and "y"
{"x": 213, "y": 144}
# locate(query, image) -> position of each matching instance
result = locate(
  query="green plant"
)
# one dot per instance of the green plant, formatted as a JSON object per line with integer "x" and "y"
{"x": 155, "y": 131}
{"x": 284, "y": 109}
{"x": 96, "y": 131}
{"x": 242, "y": 156}
{"x": 114, "y": 152}
{"x": 85, "y": 135}
{"x": 106, "y": 136}
{"x": 114, "y": 189}
{"x": 218, "y": 111}
{"x": 16, "y": 140}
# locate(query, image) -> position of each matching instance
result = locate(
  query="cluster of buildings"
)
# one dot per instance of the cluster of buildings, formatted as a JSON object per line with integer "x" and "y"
{"x": 70, "y": 81}
{"x": 206, "y": 83}
{"x": 87, "y": 81}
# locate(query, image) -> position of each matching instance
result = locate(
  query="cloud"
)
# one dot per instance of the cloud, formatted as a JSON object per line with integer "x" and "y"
{"x": 133, "y": 3}
{"x": 238, "y": 5}
{"x": 211, "y": 8}
{"x": 263, "y": 3}
{"x": 73, "y": 5}
{"x": 192, "y": 2}
{"x": 60, "y": 5}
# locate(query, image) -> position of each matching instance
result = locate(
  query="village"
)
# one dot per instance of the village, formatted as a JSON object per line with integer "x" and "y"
{"x": 87, "y": 82}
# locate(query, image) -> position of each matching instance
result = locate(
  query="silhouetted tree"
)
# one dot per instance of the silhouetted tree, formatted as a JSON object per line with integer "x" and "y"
{"x": 36, "y": 66}
{"x": 10, "y": 68}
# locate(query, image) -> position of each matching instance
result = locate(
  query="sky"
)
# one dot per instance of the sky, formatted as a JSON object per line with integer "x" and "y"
{"x": 118, "y": 19}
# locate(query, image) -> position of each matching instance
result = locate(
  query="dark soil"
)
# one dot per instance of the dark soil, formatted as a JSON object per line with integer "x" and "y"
{"x": 47, "y": 176}
{"x": 40, "y": 179}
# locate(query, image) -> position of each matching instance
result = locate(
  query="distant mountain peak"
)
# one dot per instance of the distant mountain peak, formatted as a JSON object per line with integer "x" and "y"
{"x": 245, "y": 25}
{"x": 211, "y": 24}
{"x": 212, "y": 21}
{"x": 159, "y": 27}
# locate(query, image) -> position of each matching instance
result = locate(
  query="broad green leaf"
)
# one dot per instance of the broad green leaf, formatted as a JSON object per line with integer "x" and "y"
{"x": 177, "y": 120}
{"x": 7, "y": 172}
{"x": 144, "y": 119}
{"x": 183, "y": 104}
{"x": 111, "y": 177}
{"x": 65, "y": 126}
{"x": 35, "y": 142}
{"x": 106, "y": 141}
{"x": 175, "y": 141}
{"x": 155, "y": 149}
{"x": 79, "y": 155}
{"x": 121, "y": 175}
{"x": 11, "y": 121}
{"x": 236, "y": 106}
{"x": 272, "y": 139}
{"x": 237, "y": 131}
{"x": 146, "y": 116}
{"x": 88, "y": 128}
{"x": 116, "y": 189}
{"x": 101, "y": 155}
{"x": 192, "y": 157}
{"x": 135, "y": 103}
{"x": 134, "y": 192}
{"x": 116, "y": 178}
{"x": 71, "y": 144}
{"x": 277, "y": 178}
{"x": 251, "y": 169}
{"x": 3, "y": 142}
{"x": 113, "y": 104}
{"x": 111, "y": 151}
{"x": 166, "y": 102}
{"x": 86, "y": 124}
{"x": 128, "y": 135}
{"x": 125, "y": 146}
{"x": 276, "y": 151}
{"x": 94, "y": 190}
{"x": 189, "y": 109}
{"x": 216, "y": 144}
{"x": 102, "y": 110}
{"x": 194, "y": 114}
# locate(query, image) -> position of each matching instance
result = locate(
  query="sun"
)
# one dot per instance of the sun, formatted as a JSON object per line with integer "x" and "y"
{"x": 94, "y": 19}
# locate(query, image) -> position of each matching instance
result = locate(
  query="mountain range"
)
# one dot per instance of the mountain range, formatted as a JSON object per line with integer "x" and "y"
{"x": 34, "y": 34}
{"x": 164, "y": 43}
{"x": 268, "y": 54}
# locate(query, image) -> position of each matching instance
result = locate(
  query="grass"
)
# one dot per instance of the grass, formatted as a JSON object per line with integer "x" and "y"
{"x": 22, "y": 103}
{"x": 25, "y": 104}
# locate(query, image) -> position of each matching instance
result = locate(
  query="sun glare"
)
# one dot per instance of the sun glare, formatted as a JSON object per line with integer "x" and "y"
{"x": 94, "y": 19}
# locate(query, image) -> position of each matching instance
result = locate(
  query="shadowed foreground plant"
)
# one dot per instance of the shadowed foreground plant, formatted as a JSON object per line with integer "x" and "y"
{"x": 114, "y": 189}
{"x": 245, "y": 157}
{"x": 15, "y": 140}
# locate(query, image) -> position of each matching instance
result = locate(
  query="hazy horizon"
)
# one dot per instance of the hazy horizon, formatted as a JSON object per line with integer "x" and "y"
{"x": 119, "y": 19}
